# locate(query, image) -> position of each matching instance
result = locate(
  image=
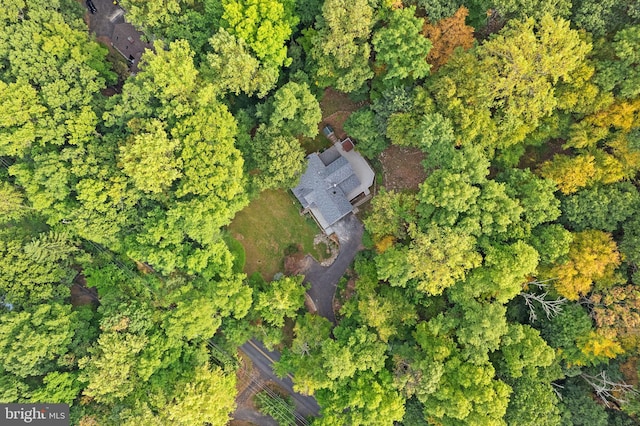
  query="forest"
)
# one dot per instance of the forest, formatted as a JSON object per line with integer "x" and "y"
{"x": 504, "y": 290}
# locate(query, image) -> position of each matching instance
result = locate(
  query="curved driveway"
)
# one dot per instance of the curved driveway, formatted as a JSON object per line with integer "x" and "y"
{"x": 324, "y": 279}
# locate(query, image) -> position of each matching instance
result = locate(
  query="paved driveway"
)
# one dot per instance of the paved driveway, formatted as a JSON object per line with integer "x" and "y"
{"x": 323, "y": 279}
{"x": 306, "y": 406}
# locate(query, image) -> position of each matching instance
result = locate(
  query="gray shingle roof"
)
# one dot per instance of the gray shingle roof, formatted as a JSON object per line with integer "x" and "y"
{"x": 324, "y": 188}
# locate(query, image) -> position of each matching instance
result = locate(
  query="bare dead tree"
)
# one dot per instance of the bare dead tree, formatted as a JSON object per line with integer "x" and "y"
{"x": 556, "y": 388}
{"x": 551, "y": 308}
{"x": 302, "y": 349}
{"x": 540, "y": 284}
{"x": 608, "y": 390}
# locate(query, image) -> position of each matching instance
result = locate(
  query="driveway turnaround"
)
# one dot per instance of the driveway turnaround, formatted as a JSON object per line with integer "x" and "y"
{"x": 324, "y": 279}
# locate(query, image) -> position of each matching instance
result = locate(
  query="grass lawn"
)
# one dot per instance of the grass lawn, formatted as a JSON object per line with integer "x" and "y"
{"x": 269, "y": 228}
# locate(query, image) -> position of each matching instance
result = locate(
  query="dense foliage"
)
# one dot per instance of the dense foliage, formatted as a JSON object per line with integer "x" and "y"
{"x": 504, "y": 290}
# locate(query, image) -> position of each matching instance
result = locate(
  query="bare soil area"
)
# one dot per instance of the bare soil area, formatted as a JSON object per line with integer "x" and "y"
{"x": 402, "y": 168}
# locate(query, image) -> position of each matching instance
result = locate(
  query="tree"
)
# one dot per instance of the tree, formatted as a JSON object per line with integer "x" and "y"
{"x": 602, "y": 207}
{"x": 367, "y": 399}
{"x": 468, "y": 393}
{"x": 579, "y": 408}
{"x": 361, "y": 125}
{"x": 618, "y": 70}
{"x": 35, "y": 269}
{"x": 208, "y": 396}
{"x": 294, "y": 110}
{"x": 490, "y": 92}
{"x": 34, "y": 342}
{"x": 279, "y": 408}
{"x": 566, "y": 331}
{"x": 304, "y": 358}
{"x": 446, "y": 35}
{"x": 552, "y": 242}
{"x": 232, "y": 67}
{"x": 630, "y": 244}
{"x": 280, "y": 159}
{"x": 114, "y": 368}
{"x": 569, "y": 173}
{"x": 533, "y": 403}
{"x": 440, "y": 257}
{"x": 617, "y": 315}
{"x": 602, "y": 17}
{"x": 536, "y": 196}
{"x": 593, "y": 256}
{"x": 149, "y": 157}
{"x": 252, "y": 20}
{"x": 522, "y": 9}
{"x": 282, "y": 299}
{"x": 500, "y": 278}
{"x": 522, "y": 351}
{"x": 340, "y": 47}
{"x": 400, "y": 47}
{"x": 390, "y": 215}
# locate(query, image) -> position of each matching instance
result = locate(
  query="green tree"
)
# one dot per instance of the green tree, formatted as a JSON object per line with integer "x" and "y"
{"x": 208, "y": 397}
{"x": 532, "y": 403}
{"x": 618, "y": 70}
{"x": 522, "y": 9}
{"x": 113, "y": 369}
{"x": 391, "y": 213}
{"x": 367, "y": 398}
{"x": 522, "y": 351}
{"x": 536, "y": 196}
{"x": 468, "y": 394}
{"x": 282, "y": 299}
{"x": 148, "y": 157}
{"x": 601, "y": 207}
{"x": 280, "y": 159}
{"x": 602, "y": 17}
{"x": 401, "y": 48}
{"x": 265, "y": 25}
{"x": 34, "y": 342}
{"x": 293, "y": 110}
{"x": 552, "y": 242}
{"x": 279, "y": 408}
{"x": 232, "y": 67}
{"x": 493, "y": 97}
{"x": 340, "y": 46}
{"x": 440, "y": 257}
{"x": 35, "y": 269}
{"x": 362, "y": 126}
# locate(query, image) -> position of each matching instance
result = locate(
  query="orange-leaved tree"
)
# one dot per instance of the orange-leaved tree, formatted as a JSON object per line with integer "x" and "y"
{"x": 446, "y": 35}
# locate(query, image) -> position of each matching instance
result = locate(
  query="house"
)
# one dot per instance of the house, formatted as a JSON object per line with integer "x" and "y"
{"x": 126, "y": 40}
{"x": 332, "y": 182}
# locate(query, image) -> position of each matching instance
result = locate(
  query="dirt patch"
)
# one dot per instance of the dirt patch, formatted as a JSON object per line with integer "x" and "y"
{"x": 534, "y": 156}
{"x": 336, "y": 120}
{"x": 336, "y": 108}
{"x": 402, "y": 168}
{"x": 334, "y": 101}
{"x": 81, "y": 295}
{"x": 295, "y": 264}
{"x": 309, "y": 304}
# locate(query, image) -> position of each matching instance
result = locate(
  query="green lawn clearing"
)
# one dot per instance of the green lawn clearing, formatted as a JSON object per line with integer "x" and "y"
{"x": 270, "y": 228}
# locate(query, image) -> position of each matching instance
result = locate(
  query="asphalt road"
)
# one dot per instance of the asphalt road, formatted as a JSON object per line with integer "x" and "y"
{"x": 324, "y": 279}
{"x": 263, "y": 360}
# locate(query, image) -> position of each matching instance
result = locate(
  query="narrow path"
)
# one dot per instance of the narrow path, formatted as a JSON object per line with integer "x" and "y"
{"x": 324, "y": 279}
